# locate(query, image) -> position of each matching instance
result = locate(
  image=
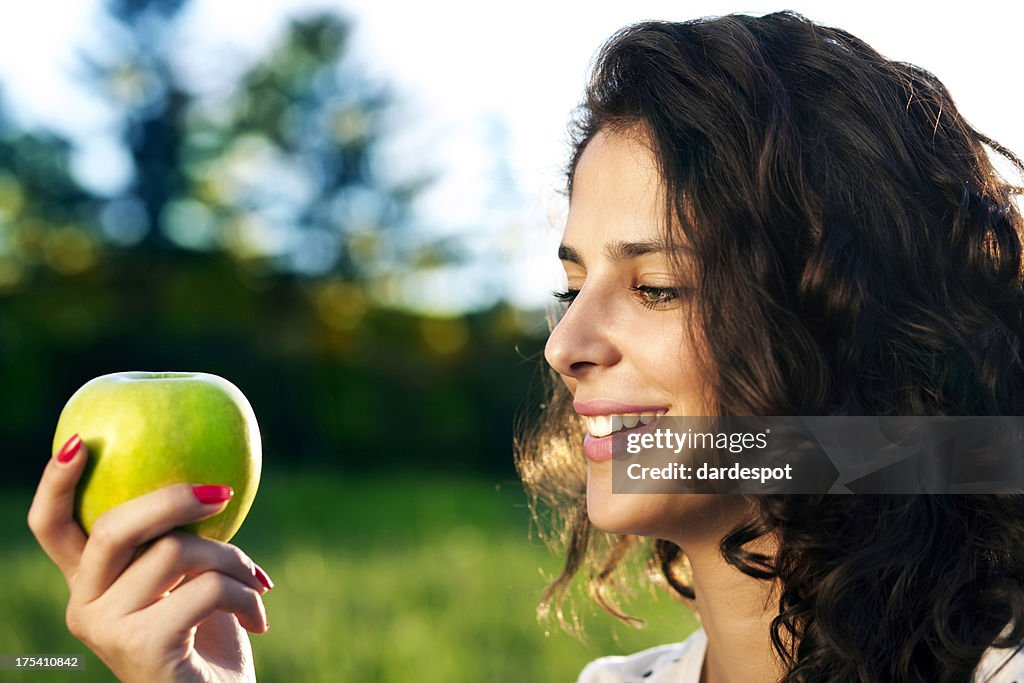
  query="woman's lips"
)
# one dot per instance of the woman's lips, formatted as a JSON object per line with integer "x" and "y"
{"x": 599, "y": 448}
{"x": 604, "y": 406}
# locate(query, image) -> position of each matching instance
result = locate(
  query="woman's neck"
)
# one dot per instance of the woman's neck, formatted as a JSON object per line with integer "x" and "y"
{"x": 736, "y": 612}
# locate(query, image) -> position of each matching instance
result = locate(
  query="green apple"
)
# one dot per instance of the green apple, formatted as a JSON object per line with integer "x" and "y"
{"x": 145, "y": 430}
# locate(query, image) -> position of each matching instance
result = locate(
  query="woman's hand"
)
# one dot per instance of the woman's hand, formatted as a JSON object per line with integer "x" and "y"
{"x": 153, "y": 603}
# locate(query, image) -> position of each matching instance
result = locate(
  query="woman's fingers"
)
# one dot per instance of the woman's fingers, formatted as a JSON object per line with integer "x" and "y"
{"x": 118, "y": 532}
{"x": 150, "y": 615}
{"x": 198, "y": 598}
{"x": 52, "y": 514}
{"x": 172, "y": 557}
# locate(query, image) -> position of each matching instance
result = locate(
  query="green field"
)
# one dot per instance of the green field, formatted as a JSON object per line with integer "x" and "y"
{"x": 377, "y": 580}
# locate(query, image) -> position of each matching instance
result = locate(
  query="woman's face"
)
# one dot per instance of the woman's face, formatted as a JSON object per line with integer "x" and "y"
{"x": 623, "y": 346}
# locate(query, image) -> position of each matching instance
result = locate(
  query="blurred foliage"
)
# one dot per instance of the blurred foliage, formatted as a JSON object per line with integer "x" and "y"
{"x": 332, "y": 378}
{"x": 257, "y": 239}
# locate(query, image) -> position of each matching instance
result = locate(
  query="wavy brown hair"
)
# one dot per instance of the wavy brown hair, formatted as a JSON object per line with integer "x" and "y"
{"x": 858, "y": 254}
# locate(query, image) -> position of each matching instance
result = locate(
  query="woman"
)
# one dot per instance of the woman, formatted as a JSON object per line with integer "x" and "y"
{"x": 766, "y": 217}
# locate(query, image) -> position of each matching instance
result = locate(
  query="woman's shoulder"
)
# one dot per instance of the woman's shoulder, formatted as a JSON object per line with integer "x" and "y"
{"x": 677, "y": 662}
{"x": 681, "y": 663}
{"x": 1001, "y": 665}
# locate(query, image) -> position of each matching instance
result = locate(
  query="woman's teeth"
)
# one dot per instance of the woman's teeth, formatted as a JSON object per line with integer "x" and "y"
{"x": 603, "y": 425}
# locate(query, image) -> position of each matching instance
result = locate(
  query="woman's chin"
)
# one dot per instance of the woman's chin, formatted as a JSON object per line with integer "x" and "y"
{"x": 623, "y": 513}
{"x": 658, "y": 515}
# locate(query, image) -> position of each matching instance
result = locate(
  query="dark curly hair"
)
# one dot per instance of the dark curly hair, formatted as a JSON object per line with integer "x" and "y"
{"x": 858, "y": 254}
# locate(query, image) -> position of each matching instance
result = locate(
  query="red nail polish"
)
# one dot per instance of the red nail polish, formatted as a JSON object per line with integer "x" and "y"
{"x": 262, "y": 577}
{"x": 212, "y": 493}
{"x": 69, "y": 449}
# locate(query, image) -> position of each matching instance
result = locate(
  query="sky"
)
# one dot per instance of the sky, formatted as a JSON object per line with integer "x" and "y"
{"x": 488, "y": 91}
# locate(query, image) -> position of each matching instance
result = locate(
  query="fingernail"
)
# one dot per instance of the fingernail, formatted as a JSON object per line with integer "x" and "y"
{"x": 208, "y": 494}
{"x": 262, "y": 577}
{"x": 69, "y": 449}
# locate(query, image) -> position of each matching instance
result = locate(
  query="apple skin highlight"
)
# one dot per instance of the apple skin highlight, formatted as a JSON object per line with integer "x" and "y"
{"x": 146, "y": 430}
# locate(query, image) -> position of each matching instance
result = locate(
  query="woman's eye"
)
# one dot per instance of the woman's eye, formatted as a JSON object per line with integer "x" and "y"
{"x": 566, "y": 297}
{"x": 654, "y": 297}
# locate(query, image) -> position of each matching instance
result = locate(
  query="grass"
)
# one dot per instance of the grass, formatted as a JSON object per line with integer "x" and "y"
{"x": 377, "y": 580}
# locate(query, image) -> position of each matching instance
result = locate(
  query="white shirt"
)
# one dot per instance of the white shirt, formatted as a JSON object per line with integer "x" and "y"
{"x": 682, "y": 663}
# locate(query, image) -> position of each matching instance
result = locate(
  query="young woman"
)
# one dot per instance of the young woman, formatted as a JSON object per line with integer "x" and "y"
{"x": 766, "y": 217}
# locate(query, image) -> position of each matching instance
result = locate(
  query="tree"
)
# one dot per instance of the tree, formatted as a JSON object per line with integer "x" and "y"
{"x": 281, "y": 173}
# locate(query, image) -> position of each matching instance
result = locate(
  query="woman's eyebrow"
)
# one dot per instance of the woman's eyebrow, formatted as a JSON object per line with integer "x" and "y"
{"x": 622, "y": 251}
{"x": 619, "y": 251}
{"x": 567, "y": 253}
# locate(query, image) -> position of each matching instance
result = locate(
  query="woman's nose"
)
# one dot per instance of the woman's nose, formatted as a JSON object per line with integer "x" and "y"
{"x": 580, "y": 340}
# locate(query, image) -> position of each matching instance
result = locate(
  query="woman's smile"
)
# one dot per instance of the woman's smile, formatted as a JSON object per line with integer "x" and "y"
{"x": 604, "y": 425}
{"x": 605, "y": 417}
